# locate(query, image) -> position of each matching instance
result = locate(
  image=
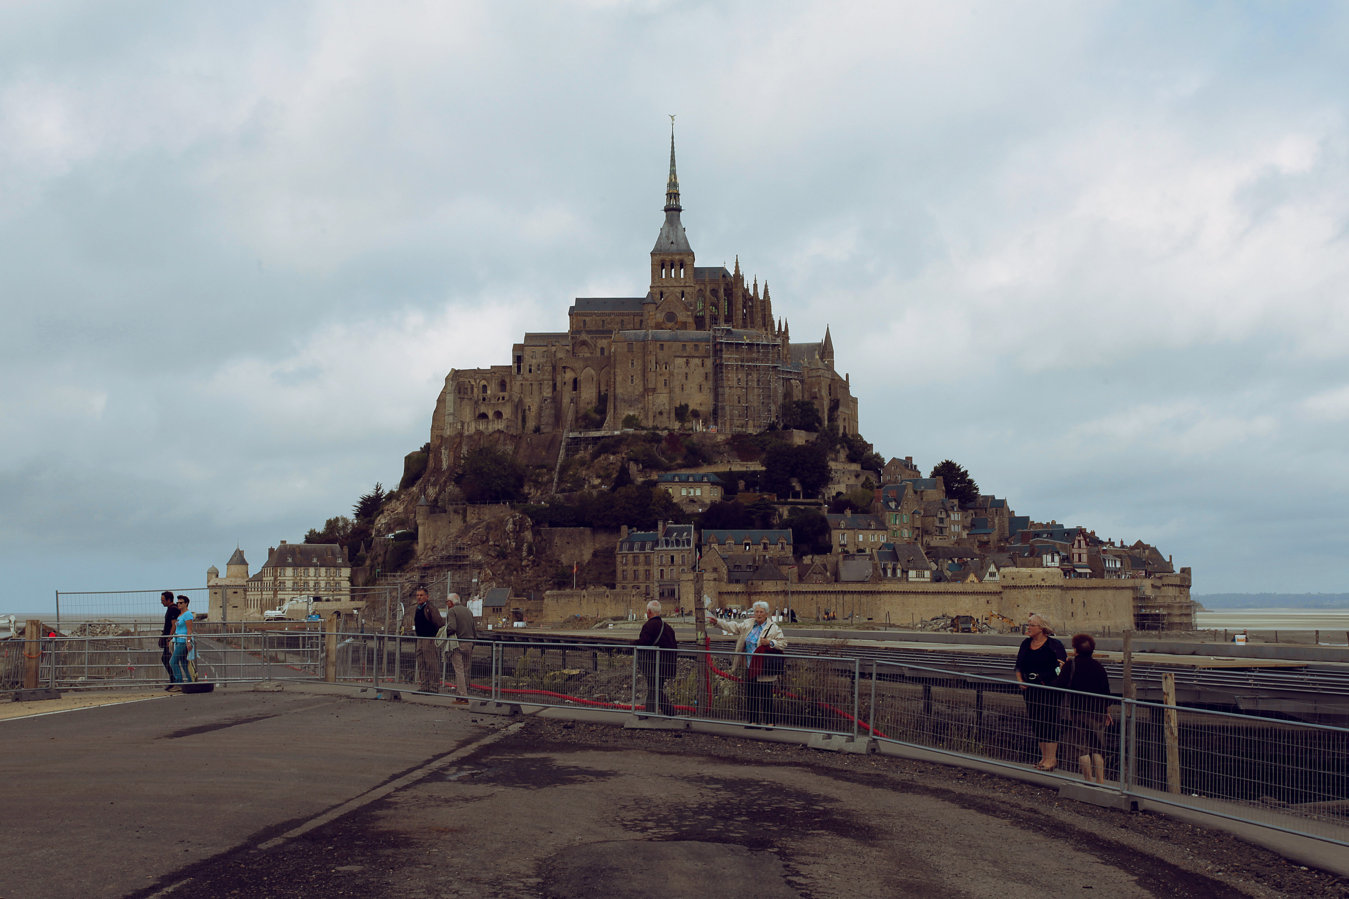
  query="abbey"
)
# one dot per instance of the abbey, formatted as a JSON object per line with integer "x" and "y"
{"x": 701, "y": 349}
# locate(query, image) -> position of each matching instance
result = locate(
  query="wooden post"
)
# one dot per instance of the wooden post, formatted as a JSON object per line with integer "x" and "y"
{"x": 1127, "y": 689}
{"x": 1172, "y": 733}
{"x": 32, "y": 653}
{"x": 330, "y": 649}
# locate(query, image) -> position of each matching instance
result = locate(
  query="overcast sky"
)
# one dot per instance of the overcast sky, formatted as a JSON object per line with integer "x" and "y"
{"x": 1097, "y": 253}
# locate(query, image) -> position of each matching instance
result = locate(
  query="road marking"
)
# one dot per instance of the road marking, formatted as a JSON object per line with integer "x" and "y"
{"x": 366, "y": 798}
{"x": 385, "y": 789}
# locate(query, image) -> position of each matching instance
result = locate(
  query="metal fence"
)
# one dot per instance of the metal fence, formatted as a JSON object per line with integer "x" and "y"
{"x": 133, "y": 658}
{"x": 1285, "y": 775}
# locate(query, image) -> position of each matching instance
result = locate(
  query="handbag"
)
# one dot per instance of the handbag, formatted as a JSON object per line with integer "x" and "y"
{"x": 767, "y": 663}
{"x": 446, "y": 641}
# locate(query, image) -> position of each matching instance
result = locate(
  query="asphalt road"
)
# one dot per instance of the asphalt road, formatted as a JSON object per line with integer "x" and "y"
{"x": 263, "y": 794}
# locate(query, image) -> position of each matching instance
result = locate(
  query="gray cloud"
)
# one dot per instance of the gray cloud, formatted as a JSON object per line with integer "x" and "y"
{"x": 1093, "y": 252}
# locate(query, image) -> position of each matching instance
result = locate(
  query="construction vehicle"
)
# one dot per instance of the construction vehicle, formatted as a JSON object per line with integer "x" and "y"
{"x": 292, "y": 607}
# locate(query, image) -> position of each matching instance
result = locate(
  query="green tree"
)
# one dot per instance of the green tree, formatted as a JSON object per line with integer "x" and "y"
{"x": 959, "y": 485}
{"x": 810, "y": 531}
{"x": 808, "y": 465}
{"x": 800, "y": 415}
{"x": 368, "y": 506}
{"x": 489, "y": 475}
{"x": 335, "y": 530}
{"x": 724, "y": 516}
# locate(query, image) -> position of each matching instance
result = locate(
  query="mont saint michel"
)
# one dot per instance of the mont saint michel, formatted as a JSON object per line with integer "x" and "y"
{"x": 679, "y": 443}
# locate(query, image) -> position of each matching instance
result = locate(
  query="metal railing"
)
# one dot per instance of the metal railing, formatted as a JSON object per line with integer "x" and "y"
{"x": 1286, "y": 775}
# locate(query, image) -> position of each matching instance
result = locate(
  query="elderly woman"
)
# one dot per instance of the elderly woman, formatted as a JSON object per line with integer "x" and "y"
{"x": 1037, "y": 664}
{"x": 754, "y": 633}
{"x": 1088, "y": 708}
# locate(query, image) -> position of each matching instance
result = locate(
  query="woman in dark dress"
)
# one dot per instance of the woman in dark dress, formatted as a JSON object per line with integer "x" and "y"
{"x": 1087, "y": 707}
{"x": 1037, "y": 664}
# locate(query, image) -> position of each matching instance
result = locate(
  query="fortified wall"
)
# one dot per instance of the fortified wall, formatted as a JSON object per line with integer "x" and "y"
{"x": 1093, "y": 606}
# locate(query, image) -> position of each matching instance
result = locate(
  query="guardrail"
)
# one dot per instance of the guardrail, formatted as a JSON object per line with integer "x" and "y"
{"x": 1289, "y": 776}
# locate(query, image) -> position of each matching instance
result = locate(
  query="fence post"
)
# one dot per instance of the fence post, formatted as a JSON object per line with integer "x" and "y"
{"x": 1128, "y": 724}
{"x": 1172, "y": 730}
{"x": 330, "y": 649}
{"x": 32, "y": 653}
{"x": 856, "y": 695}
{"x": 633, "y": 678}
{"x": 871, "y": 713}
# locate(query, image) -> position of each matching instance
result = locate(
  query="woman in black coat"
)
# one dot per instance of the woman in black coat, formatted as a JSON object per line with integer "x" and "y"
{"x": 1088, "y": 709}
{"x": 1037, "y": 664}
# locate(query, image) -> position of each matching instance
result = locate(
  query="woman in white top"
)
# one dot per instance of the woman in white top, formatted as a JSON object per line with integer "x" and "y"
{"x": 753, "y": 633}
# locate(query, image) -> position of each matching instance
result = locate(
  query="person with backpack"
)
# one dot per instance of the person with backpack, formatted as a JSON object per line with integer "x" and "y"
{"x": 658, "y": 660}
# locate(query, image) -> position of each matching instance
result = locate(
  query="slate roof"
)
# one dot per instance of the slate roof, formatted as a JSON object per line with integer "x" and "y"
{"x": 854, "y": 569}
{"x": 800, "y": 353}
{"x": 892, "y": 495}
{"x": 637, "y": 541}
{"x": 608, "y": 304}
{"x": 306, "y": 555}
{"x": 237, "y": 558}
{"x": 710, "y": 272}
{"x": 910, "y": 556}
{"x": 496, "y": 598}
{"x": 754, "y": 536}
{"x": 686, "y": 477}
{"x": 921, "y": 483}
{"x": 672, "y": 238}
{"x": 853, "y": 521}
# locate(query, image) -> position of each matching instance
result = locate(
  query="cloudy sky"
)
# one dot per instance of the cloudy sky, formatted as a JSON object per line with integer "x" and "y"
{"x": 1095, "y": 252}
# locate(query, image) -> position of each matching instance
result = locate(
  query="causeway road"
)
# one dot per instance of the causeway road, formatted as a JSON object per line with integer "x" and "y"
{"x": 301, "y": 792}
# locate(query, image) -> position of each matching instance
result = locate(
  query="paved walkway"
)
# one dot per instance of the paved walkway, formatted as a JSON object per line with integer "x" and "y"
{"x": 237, "y": 793}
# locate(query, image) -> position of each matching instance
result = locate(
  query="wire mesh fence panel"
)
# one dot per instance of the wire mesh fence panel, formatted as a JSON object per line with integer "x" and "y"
{"x": 565, "y": 674}
{"x": 986, "y": 718}
{"x": 138, "y": 660}
{"x": 73, "y": 608}
{"x": 816, "y": 693}
{"x": 1287, "y": 774}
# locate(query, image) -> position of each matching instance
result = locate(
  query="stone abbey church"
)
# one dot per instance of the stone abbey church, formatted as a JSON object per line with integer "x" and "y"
{"x": 700, "y": 350}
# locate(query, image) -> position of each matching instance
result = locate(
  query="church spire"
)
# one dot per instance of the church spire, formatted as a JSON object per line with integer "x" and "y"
{"x": 672, "y": 270}
{"x": 672, "y": 185}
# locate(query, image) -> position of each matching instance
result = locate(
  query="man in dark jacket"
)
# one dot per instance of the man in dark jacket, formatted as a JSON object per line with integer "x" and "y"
{"x": 657, "y": 662}
{"x": 426, "y": 622}
{"x": 170, "y": 617}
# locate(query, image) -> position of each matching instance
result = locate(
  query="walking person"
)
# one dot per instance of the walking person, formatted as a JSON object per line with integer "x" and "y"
{"x": 657, "y": 662}
{"x": 1038, "y": 661}
{"x": 170, "y": 616}
{"x": 1087, "y": 707}
{"x": 179, "y": 673}
{"x": 460, "y": 626}
{"x": 755, "y": 633}
{"x": 426, "y": 622}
